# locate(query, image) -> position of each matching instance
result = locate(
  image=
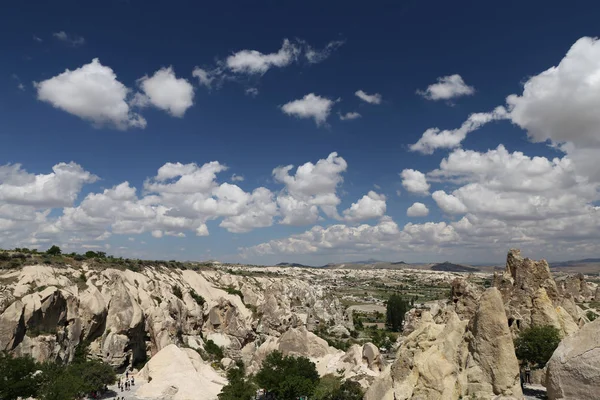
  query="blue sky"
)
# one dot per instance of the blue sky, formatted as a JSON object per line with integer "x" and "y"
{"x": 280, "y": 106}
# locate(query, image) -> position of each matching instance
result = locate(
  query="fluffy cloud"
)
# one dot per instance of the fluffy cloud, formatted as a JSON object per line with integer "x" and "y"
{"x": 561, "y": 104}
{"x": 371, "y": 205}
{"x": 558, "y": 105}
{"x": 56, "y": 189}
{"x": 434, "y": 138}
{"x": 91, "y": 92}
{"x": 310, "y": 106}
{"x": 255, "y": 62}
{"x": 369, "y": 98}
{"x": 446, "y": 88}
{"x": 72, "y": 40}
{"x": 165, "y": 91}
{"x": 349, "y": 116}
{"x": 415, "y": 181}
{"x": 448, "y": 203}
{"x": 313, "y": 186}
{"x": 417, "y": 210}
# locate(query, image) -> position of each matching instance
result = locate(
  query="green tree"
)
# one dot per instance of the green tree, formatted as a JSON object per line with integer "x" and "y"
{"x": 91, "y": 254}
{"x": 331, "y": 387}
{"x": 18, "y": 377}
{"x": 350, "y": 390}
{"x": 214, "y": 351}
{"x": 396, "y": 308}
{"x": 288, "y": 377}
{"x": 536, "y": 344}
{"x": 591, "y": 315}
{"x": 59, "y": 383}
{"x": 54, "y": 251}
{"x": 238, "y": 386}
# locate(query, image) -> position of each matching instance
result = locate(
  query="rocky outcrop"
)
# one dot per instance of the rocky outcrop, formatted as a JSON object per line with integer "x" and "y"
{"x": 127, "y": 317}
{"x": 191, "y": 378}
{"x": 576, "y": 287}
{"x": 465, "y": 296}
{"x": 494, "y": 367}
{"x": 454, "y": 359}
{"x": 573, "y": 371}
{"x": 531, "y": 296}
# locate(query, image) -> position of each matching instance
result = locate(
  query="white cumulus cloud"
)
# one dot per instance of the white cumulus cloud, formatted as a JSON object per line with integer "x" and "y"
{"x": 255, "y": 62}
{"x": 446, "y": 88}
{"x": 310, "y": 106}
{"x": 371, "y": 205}
{"x": 349, "y": 116}
{"x": 415, "y": 181}
{"x": 91, "y": 92}
{"x": 417, "y": 210}
{"x": 165, "y": 91}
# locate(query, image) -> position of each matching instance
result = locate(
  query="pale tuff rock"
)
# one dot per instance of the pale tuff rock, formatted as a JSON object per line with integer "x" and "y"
{"x": 576, "y": 287}
{"x": 456, "y": 358}
{"x": 12, "y": 326}
{"x": 191, "y": 379}
{"x": 130, "y": 316}
{"x": 531, "y": 296}
{"x": 465, "y": 296}
{"x": 573, "y": 372}
{"x": 495, "y": 368}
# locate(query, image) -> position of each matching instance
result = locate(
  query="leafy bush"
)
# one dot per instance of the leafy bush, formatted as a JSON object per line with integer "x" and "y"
{"x": 238, "y": 386}
{"x": 536, "y": 344}
{"x": 591, "y": 315}
{"x": 54, "y": 251}
{"x": 177, "y": 292}
{"x": 213, "y": 350}
{"x": 234, "y": 291}
{"x": 197, "y": 298}
{"x": 288, "y": 377}
{"x": 20, "y": 378}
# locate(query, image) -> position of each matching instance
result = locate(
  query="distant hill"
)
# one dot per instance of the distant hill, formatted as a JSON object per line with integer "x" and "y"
{"x": 286, "y": 264}
{"x": 450, "y": 267}
{"x": 571, "y": 263}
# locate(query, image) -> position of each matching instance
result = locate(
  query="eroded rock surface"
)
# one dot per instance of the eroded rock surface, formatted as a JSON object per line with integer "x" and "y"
{"x": 573, "y": 372}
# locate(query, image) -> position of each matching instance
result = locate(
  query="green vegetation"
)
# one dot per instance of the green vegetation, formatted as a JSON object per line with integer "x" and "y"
{"x": 287, "y": 377}
{"x": 22, "y": 377}
{"x": 396, "y": 308}
{"x": 213, "y": 350}
{"x": 177, "y": 292}
{"x": 197, "y": 298}
{"x": 591, "y": 315}
{"x": 231, "y": 290}
{"x": 331, "y": 387}
{"x": 54, "y": 251}
{"x": 536, "y": 344}
{"x": 239, "y": 387}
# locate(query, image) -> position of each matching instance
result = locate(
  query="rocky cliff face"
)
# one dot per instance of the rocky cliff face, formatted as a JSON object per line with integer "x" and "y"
{"x": 127, "y": 317}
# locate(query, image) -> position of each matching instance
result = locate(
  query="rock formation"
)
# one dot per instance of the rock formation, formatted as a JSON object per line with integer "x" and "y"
{"x": 454, "y": 359}
{"x": 573, "y": 372}
{"x": 531, "y": 296}
{"x": 192, "y": 379}
{"x": 126, "y": 317}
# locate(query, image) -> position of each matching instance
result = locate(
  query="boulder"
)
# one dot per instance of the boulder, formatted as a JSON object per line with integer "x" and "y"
{"x": 12, "y": 326}
{"x": 190, "y": 379}
{"x": 573, "y": 371}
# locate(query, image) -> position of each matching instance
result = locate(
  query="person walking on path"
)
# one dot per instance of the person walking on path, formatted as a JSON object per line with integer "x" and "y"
{"x": 527, "y": 374}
